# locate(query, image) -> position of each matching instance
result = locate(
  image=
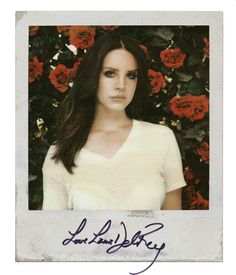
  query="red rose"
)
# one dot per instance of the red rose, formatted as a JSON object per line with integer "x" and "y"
{"x": 188, "y": 174}
{"x": 35, "y": 69}
{"x": 189, "y": 106}
{"x": 63, "y": 29}
{"x": 109, "y": 28}
{"x": 75, "y": 68}
{"x": 156, "y": 80}
{"x": 33, "y": 30}
{"x": 206, "y": 47}
{"x": 203, "y": 151}
{"x": 200, "y": 106}
{"x": 182, "y": 106}
{"x": 199, "y": 202}
{"x": 144, "y": 48}
{"x": 81, "y": 37}
{"x": 172, "y": 58}
{"x": 60, "y": 78}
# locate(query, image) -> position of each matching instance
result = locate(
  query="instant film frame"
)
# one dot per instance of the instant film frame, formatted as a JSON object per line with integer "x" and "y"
{"x": 192, "y": 235}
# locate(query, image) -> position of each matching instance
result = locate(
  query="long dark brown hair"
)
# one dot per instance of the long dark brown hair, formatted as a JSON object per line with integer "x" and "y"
{"x": 77, "y": 111}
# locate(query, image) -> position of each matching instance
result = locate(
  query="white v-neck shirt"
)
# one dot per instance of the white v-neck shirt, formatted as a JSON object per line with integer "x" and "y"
{"x": 136, "y": 177}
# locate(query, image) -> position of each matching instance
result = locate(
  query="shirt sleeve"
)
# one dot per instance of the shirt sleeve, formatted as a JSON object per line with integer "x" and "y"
{"x": 172, "y": 166}
{"x": 54, "y": 190}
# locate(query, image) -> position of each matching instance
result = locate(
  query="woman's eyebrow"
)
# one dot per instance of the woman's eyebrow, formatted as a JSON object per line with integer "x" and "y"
{"x": 114, "y": 69}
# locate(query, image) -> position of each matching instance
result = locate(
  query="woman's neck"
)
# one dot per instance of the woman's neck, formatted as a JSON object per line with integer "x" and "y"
{"x": 107, "y": 120}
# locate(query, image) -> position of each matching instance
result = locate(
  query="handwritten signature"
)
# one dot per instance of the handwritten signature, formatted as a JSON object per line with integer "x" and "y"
{"x": 115, "y": 244}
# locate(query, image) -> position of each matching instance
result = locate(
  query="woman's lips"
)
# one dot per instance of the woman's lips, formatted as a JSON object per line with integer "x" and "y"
{"x": 118, "y": 97}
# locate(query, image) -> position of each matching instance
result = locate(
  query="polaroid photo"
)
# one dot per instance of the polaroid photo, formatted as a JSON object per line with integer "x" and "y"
{"x": 119, "y": 136}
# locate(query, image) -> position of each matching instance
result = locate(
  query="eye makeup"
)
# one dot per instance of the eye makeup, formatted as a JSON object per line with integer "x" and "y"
{"x": 110, "y": 72}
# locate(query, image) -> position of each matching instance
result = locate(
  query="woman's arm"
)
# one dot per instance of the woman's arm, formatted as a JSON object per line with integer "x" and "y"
{"x": 173, "y": 175}
{"x": 173, "y": 200}
{"x": 55, "y": 195}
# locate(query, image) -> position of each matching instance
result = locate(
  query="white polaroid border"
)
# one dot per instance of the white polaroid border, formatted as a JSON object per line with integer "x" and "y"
{"x": 190, "y": 235}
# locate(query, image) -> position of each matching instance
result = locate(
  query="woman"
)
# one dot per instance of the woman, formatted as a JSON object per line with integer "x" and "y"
{"x": 105, "y": 157}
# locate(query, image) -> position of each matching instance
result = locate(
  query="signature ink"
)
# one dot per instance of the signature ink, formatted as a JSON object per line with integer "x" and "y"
{"x": 76, "y": 241}
{"x": 137, "y": 239}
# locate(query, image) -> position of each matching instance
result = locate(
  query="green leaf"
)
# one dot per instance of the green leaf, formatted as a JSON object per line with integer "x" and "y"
{"x": 202, "y": 73}
{"x": 197, "y": 134}
{"x": 195, "y": 87}
{"x": 183, "y": 76}
{"x": 194, "y": 59}
{"x": 160, "y": 37}
{"x": 65, "y": 57}
{"x": 165, "y": 108}
{"x": 182, "y": 90}
{"x": 188, "y": 144}
{"x": 165, "y": 33}
{"x": 202, "y": 124}
{"x": 179, "y": 126}
{"x": 32, "y": 177}
{"x": 159, "y": 42}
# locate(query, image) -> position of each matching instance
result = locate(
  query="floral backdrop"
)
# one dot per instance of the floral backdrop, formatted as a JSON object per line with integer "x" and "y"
{"x": 178, "y": 59}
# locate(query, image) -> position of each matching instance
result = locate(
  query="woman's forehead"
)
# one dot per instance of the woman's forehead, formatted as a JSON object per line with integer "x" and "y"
{"x": 120, "y": 58}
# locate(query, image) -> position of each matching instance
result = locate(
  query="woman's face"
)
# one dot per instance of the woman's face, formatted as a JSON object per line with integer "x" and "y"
{"x": 117, "y": 80}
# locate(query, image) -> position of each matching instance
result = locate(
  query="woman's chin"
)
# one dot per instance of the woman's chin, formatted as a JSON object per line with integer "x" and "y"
{"x": 116, "y": 107}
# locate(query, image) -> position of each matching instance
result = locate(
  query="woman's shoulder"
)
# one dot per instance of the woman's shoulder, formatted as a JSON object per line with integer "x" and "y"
{"x": 51, "y": 151}
{"x": 49, "y": 161}
{"x": 156, "y": 135}
{"x": 148, "y": 127}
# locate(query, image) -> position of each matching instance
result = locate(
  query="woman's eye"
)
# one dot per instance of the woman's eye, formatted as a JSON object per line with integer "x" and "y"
{"x": 109, "y": 73}
{"x": 133, "y": 75}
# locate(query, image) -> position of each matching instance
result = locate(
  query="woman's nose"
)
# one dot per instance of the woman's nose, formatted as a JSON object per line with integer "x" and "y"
{"x": 120, "y": 83}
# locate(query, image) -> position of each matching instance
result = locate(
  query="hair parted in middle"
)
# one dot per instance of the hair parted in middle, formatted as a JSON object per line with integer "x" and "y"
{"x": 77, "y": 111}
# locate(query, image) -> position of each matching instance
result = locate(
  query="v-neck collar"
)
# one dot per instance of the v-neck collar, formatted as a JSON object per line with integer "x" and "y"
{"x": 121, "y": 148}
